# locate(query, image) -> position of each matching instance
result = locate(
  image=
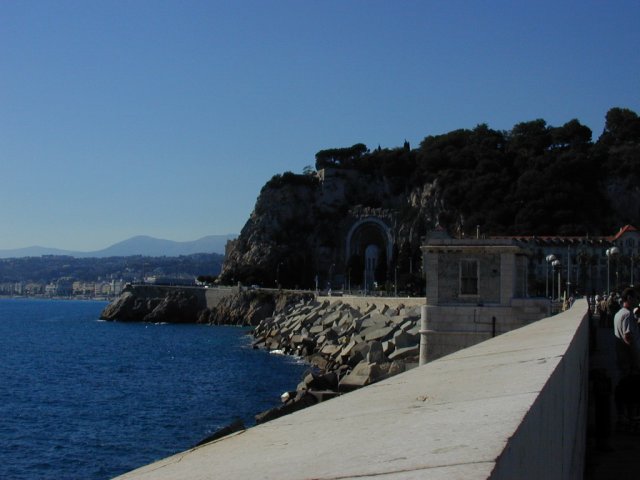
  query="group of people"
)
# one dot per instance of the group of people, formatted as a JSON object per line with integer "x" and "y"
{"x": 606, "y": 306}
{"x": 622, "y": 314}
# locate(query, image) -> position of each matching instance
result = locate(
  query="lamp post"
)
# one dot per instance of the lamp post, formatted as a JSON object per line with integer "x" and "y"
{"x": 554, "y": 264}
{"x": 278, "y": 275}
{"x": 568, "y": 271}
{"x": 330, "y": 283}
{"x": 611, "y": 252}
{"x": 550, "y": 258}
{"x": 395, "y": 282}
{"x": 364, "y": 278}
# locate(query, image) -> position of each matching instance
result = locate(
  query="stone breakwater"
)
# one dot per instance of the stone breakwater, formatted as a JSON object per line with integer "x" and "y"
{"x": 347, "y": 347}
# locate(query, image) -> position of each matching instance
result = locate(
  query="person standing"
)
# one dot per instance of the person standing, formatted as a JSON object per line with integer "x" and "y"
{"x": 625, "y": 327}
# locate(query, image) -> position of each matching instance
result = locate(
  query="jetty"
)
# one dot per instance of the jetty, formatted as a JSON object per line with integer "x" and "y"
{"x": 514, "y": 406}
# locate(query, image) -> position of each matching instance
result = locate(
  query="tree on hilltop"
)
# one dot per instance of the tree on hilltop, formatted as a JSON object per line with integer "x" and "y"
{"x": 337, "y": 157}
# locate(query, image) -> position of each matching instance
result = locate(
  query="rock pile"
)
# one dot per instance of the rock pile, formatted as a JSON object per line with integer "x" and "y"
{"x": 346, "y": 347}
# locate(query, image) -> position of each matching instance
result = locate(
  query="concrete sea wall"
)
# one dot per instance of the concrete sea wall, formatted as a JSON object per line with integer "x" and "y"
{"x": 513, "y": 406}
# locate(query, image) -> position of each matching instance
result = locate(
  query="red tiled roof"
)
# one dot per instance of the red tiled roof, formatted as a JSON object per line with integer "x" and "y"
{"x": 622, "y": 231}
{"x": 569, "y": 238}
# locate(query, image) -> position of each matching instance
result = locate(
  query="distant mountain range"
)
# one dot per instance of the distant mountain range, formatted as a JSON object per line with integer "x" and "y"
{"x": 139, "y": 245}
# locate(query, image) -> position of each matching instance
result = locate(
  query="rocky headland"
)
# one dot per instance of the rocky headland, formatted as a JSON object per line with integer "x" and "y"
{"x": 233, "y": 306}
{"x": 312, "y": 229}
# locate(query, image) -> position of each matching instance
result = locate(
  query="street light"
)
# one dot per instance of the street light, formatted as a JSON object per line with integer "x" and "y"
{"x": 330, "y": 283}
{"x": 554, "y": 264}
{"x": 550, "y": 258}
{"x": 568, "y": 271}
{"x": 278, "y": 275}
{"x": 395, "y": 282}
{"x": 610, "y": 252}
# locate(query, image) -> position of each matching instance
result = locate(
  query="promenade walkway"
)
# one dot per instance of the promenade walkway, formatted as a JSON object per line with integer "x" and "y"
{"x": 618, "y": 456}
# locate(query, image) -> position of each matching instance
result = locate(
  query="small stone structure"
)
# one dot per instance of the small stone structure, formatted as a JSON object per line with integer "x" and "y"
{"x": 476, "y": 289}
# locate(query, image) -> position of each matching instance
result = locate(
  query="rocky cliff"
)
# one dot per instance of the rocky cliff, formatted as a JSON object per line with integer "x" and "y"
{"x": 532, "y": 180}
{"x": 298, "y": 227}
{"x": 189, "y": 305}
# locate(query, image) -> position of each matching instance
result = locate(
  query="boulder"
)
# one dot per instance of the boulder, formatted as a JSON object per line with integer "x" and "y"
{"x": 396, "y": 367}
{"x": 316, "y": 329}
{"x": 330, "y": 350}
{"x": 346, "y": 349}
{"x": 376, "y": 353}
{"x": 388, "y": 347}
{"x": 363, "y": 374}
{"x": 362, "y": 348}
{"x": 373, "y": 333}
{"x": 318, "y": 360}
{"x": 304, "y": 400}
{"x": 404, "y": 340}
{"x": 376, "y": 320}
{"x": 321, "y": 381}
{"x": 403, "y": 353}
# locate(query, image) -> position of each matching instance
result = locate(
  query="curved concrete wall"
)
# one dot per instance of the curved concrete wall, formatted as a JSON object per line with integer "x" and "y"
{"x": 207, "y": 297}
{"x": 511, "y": 407}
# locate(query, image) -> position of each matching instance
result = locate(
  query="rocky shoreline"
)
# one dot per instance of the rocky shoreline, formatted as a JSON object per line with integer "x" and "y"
{"x": 346, "y": 346}
{"x": 189, "y": 305}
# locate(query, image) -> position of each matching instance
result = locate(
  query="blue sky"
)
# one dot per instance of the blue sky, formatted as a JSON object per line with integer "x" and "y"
{"x": 165, "y": 118}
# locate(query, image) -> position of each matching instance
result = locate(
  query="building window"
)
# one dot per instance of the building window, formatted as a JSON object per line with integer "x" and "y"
{"x": 468, "y": 277}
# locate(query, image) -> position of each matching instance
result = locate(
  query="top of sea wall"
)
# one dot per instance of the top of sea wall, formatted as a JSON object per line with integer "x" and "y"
{"x": 208, "y": 297}
{"x": 511, "y": 407}
{"x": 213, "y": 295}
{"x": 363, "y": 302}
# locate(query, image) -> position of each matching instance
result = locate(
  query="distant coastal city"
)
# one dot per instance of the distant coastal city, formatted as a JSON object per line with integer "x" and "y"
{"x": 65, "y": 287}
{"x": 56, "y": 276}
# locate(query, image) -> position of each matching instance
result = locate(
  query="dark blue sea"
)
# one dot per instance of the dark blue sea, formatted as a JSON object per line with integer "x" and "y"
{"x": 87, "y": 399}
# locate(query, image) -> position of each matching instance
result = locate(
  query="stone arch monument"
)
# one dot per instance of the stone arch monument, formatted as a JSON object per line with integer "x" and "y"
{"x": 371, "y": 238}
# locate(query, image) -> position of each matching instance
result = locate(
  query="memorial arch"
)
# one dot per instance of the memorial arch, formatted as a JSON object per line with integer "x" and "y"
{"x": 371, "y": 239}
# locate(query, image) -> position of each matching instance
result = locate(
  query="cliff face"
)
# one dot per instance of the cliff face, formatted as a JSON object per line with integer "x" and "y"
{"x": 157, "y": 305}
{"x": 297, "y": 230}
{"x": 533, "y": 180}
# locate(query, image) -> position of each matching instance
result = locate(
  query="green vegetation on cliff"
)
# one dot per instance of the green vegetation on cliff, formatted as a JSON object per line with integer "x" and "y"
{"x": 535, "y": 179}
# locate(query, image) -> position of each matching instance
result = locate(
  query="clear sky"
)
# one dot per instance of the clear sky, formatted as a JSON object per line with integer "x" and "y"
{"x": 165, "y": 118}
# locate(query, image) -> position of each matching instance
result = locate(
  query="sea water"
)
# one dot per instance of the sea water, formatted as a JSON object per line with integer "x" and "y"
{"x": 87, "y": 399}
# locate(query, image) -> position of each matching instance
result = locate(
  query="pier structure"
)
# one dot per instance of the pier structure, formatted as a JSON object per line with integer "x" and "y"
{"x": 513, "y": 406}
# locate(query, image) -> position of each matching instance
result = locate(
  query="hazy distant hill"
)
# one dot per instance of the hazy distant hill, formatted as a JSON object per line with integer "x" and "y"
{"x": 139, "y": 245}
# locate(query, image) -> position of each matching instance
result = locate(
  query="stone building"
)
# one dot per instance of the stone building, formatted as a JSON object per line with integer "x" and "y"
{"x": 583, "y": 265}
{"x": 476, "y": 289}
